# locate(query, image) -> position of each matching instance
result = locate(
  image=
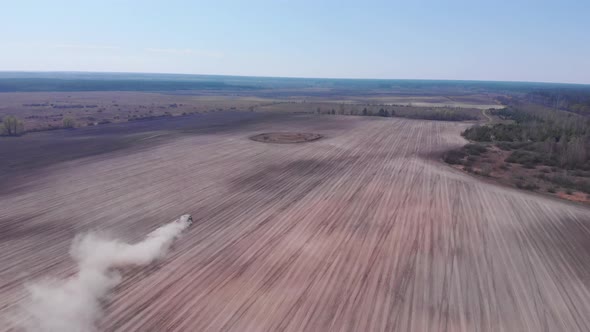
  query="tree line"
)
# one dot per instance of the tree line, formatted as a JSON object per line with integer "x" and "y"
{"x": 548, "y": 138}
{"x": 576, "y": 100}
{"x": 438, "y": 114}
{"x": 13, "y": 126}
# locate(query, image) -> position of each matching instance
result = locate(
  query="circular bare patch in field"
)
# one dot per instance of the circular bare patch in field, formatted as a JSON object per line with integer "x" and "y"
{"x": 285, "y": 137}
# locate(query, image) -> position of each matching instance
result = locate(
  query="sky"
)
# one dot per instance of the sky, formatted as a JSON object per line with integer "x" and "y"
{"x": 519, "y": 40}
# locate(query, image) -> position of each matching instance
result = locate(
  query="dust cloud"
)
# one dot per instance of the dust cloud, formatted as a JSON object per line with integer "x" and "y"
{"x": 74, "y": 304}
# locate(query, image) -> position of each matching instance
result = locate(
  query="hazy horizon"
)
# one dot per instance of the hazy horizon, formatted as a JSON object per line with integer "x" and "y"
{"x": 272, "y": 77}
{"x": 507, "y": 41}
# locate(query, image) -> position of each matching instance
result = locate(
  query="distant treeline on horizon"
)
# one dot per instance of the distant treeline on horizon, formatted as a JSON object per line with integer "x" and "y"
{"x": 82, "y": 81}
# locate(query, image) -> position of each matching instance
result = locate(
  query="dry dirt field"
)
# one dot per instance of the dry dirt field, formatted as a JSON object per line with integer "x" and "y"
{"x": 363, "y": 230}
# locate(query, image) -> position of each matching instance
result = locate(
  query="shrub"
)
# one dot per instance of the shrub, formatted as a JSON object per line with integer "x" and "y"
{"x": 384, "y": 113}
{"x": 583, "y": 186}
{"x": 468, "y": 163}
{"x": 518, "y": 177}
{"x": 11, "y": 126}
{"x": 454, "y": 157}
{"x": 580, "y": 173}
{"x": 524, "y": 157}
{"x": 475, "y": 149}
{"x": 529, "y": 165}
{"x": 527, "y": 186}
{"x": 504, "y": 146}
{"x": 562, "y": 180}
{"x": 478, "y": 133}
{"x": 69, "y": 123}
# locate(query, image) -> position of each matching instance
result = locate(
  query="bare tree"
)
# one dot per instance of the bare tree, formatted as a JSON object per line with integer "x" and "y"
{"x": 69, "y": 123}
{"x": 575, "y": 153}
{"x": 12, "y": 126}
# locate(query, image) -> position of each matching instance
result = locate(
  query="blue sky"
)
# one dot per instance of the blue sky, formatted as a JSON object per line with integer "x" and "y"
{"x": 516, "y": 40}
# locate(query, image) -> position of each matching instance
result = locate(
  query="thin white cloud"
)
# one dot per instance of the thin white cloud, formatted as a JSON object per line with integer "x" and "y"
{"x": 186, "y": 51}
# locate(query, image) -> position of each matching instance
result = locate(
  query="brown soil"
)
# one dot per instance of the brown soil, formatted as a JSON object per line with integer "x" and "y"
{"x": 575, "y": 196}
{"x": 286, "y": 137}
{"x": 356, "y": 233}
